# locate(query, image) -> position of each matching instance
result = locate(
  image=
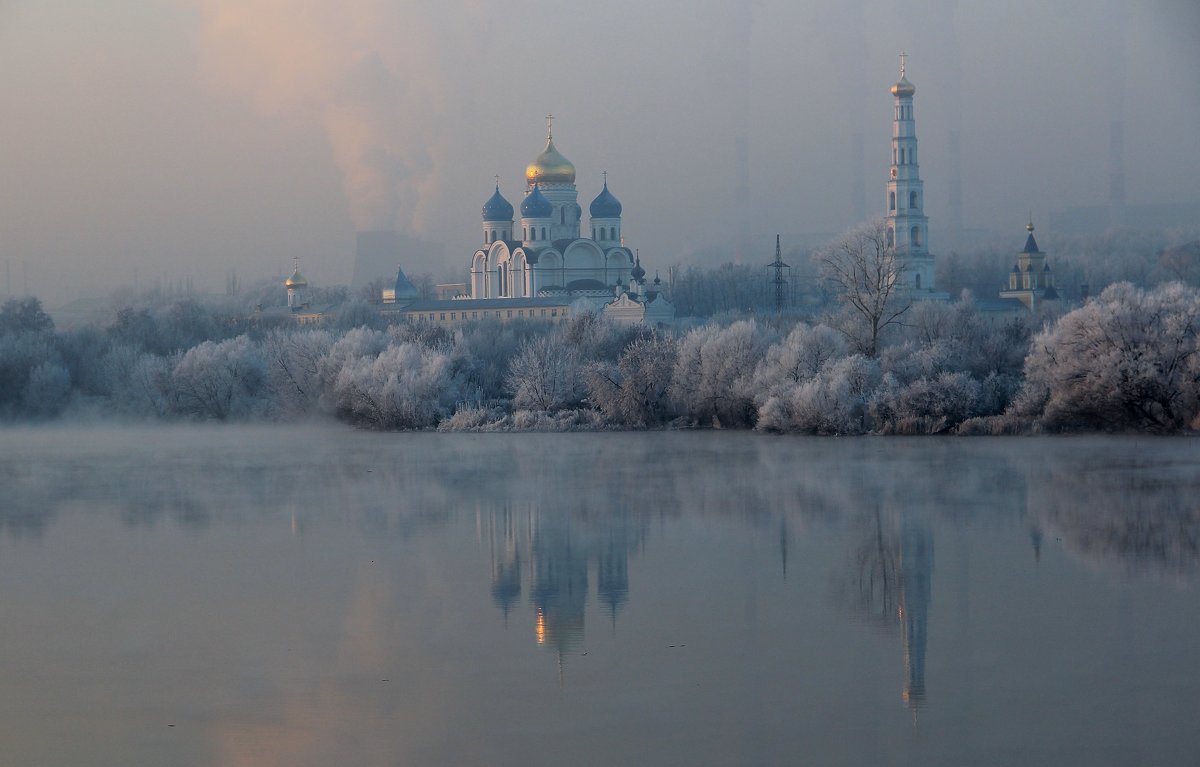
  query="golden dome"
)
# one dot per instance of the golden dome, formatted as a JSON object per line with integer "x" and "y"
{"x": 550, "y": 167}
{"x": 296, "y": 280}
{"x": 903, "y": 88}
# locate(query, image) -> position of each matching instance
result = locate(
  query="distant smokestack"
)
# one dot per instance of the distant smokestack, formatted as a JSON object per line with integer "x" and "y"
{"x": 858, "y": 195}
{"x": 1116, "y": 180}
{"x": 376, "y": 254}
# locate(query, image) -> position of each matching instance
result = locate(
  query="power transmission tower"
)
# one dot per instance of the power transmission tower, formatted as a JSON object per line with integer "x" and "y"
{"x": 778, "y": 281}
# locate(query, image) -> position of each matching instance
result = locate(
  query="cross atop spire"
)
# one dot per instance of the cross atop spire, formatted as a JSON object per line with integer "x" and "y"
{"x": 605, "y": 174}
{"x": 549, "y": 127}
{"x": 903, "y": 61}
{"x": 497, "y": 177}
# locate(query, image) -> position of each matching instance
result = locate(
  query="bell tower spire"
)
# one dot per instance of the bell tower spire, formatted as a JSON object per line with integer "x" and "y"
{"x": 907, "y": 224}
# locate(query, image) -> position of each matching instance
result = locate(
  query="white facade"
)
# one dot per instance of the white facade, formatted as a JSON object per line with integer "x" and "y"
{"x": 544, "y": 253}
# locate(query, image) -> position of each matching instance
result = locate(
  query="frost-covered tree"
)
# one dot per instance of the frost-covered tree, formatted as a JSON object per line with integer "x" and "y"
{"x": 832, "y": 402}
{"x": 714, "y": 373}
{"x": 861, "y": 270}
{"x": 293, "y": 361}
{"x": 546, "y": 374}
{"x": 47, "y": 390}
{"x": 635, "y": 391}
{"x": 797, "y": 358}
{"x": 406, "y": 386}
{"x": 24, "y": 315}
{"x": 1129, "y": 359}
{"x": 220, "y": 380}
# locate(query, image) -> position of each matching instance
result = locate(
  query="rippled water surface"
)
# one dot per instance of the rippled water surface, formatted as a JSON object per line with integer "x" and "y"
{"x": 320, "y": 596}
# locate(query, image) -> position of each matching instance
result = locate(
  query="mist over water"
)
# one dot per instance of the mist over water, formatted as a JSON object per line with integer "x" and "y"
{"x": 314, "y": 595}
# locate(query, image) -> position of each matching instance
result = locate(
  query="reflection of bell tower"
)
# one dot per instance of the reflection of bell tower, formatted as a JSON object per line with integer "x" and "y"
{"x": 506, "y": 560}
{"x": 916, "y": 570}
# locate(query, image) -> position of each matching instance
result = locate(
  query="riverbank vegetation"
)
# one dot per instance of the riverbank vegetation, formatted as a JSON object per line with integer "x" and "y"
{"x": 1127, "y": 360}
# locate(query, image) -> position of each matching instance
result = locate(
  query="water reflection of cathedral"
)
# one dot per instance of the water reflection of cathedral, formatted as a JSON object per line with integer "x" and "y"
{"x": 553, "y": 554}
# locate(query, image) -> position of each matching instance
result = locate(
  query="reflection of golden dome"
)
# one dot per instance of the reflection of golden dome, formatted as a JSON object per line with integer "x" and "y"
{"x": 903, "y": 88}
{"x": 550, "y": 167}
{"x": 296, "y": 280}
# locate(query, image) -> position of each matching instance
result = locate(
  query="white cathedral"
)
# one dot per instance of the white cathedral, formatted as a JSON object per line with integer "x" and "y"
{"x": 545, "y": 268}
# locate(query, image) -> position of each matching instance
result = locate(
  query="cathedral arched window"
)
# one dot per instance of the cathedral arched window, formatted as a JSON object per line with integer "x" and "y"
{"x": 524, "y": 233}
{"x": 612, "y": 233}
{"x": 891, "y": 200}
{"x": 917, "y": 280}
{"x": 912, "y": 200}
{"x": 891, "y": 237}
{"x": 916, "y": 236}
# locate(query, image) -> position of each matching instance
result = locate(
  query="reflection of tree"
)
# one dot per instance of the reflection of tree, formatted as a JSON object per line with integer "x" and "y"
{"x": 876, "y": 578}
{"x": 890, "y": 584}
{"x": 1143, "y": 517}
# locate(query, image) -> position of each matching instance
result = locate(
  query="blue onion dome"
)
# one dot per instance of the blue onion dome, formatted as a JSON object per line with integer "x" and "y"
{"x": 497, "y": 208}
{"x": 550, "y": 167}
{"x": 637, "y": 272}
{"x": 605, "y": 205}
{"x": 535, "y": 205}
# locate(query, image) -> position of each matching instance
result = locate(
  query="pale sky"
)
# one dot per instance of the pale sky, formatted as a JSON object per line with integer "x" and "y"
{"x": 185, "y": 138}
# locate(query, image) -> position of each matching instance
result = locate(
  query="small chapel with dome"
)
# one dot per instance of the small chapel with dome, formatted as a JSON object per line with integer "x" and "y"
{"x": 541, "y": 265}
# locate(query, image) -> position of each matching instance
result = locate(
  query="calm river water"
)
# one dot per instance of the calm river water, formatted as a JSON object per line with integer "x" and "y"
{"x": 196, "y": 595}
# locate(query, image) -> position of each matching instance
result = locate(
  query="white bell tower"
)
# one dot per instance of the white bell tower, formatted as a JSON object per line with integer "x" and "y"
{"x": 907, "y": 224}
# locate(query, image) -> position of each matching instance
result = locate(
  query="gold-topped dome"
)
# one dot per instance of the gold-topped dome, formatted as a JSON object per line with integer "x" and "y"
{"x": 296, "y": 280}
{"x": 903, "y": 88}
{"x": 550, "y": 167}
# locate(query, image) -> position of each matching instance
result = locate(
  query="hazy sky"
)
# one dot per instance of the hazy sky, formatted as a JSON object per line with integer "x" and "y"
{"x": 185, "y": 138}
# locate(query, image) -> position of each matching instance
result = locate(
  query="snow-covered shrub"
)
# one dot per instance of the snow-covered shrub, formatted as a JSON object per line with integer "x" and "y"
{"x": 713, "y": 381}
{"x": 927, "y": 405}
{"x": 293, "y": 362}
{"x": 1130, "y": 359}
{"x": 545, "y": 375}
{"x": 832, "y": 402}
{"x": 220, "y": 380}
{"x": 47, "y": 390}
{"x": 797, "y": 358}
{"x": 635, "y": 391}
{"x": 407, "y": 386}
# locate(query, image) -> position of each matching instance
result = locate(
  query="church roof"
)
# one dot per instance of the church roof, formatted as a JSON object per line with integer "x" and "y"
{"x": 605, "y": 205}
{"x": 1050, "y": 295}
{"x": 404, "y": 286}
{"x": 535, "y": 205}
{"x": 497, "y": 208}
{"x": 1030, "y": 245}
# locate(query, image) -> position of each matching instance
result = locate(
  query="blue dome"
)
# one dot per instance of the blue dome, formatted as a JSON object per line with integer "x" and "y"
{"x": 637, "y": 272}
{"x": 497, "y": 208}
{"x": 535, "y": 205}
{"x": 605, "y": 205}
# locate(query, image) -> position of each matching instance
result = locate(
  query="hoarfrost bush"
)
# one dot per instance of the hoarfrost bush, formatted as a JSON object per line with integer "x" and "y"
{"x": 1130, "y": 359}
{"x": 797, "y": 358}
{"x": 406, "y": 386}
{"x": 635, "y": 391}
{"x": 832, "y": 402}
{"x": 220, "y": 380}
{"x": 714, "y": 373}
{"x": 545, "y": 375}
